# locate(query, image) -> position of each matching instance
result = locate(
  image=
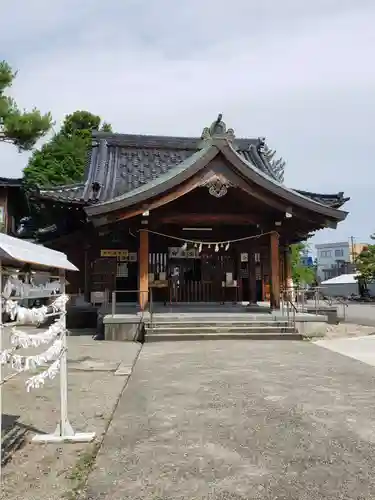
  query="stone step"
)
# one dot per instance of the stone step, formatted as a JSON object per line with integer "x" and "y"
{"x": 168, "y": 337}
{"x": 167, "y": 318}
{"x": 219, "y": 323}
{"x": 182, "y": 328}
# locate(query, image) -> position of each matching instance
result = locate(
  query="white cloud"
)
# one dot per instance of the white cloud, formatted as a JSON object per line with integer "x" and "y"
{"x": 299, "y": 73}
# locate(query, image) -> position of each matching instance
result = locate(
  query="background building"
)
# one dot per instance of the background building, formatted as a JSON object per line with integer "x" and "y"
{"x": 336, "y": 259}
{"x": 356, "y": 249}
{"x": 333, "y": 259}
{"x": 13, "y": 204}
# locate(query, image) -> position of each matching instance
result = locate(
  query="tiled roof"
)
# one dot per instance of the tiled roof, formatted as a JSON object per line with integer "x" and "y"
{"x": 197, "y": 163}
{"x": 121, "y": 163}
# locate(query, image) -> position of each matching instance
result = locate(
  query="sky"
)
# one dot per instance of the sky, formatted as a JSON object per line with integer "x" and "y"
{"x": 300, "y": 73}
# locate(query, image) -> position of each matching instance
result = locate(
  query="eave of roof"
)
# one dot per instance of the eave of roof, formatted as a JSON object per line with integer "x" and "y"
{"x": 334, "y": 200}
{"x": 10, "y": 182}
{"x": 280, "y": 189}
{"x": 68, "y": 193}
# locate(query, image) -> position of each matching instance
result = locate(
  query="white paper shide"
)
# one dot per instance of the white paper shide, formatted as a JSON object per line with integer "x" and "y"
{"x": 23, "y": 340}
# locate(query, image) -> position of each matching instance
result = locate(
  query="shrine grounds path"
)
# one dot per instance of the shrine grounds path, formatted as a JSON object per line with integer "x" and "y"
{"x": 240, "y": 420}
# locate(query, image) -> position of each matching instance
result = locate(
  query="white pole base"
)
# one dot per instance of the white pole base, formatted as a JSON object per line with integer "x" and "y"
{"x": 78, "y": 437}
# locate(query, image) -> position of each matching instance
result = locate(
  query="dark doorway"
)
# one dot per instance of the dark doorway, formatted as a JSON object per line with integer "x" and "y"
{"x": 127, "y": 282}
{"x": 201, "y": 279}
{"x": 259, "y": 290}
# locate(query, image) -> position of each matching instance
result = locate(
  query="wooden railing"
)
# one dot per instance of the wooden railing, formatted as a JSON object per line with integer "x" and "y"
{"x": 192, "y": 291}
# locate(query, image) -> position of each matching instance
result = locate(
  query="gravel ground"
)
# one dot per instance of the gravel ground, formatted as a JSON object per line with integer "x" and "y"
{"x": 47, "y": 471}
{"x": 348, "y": 330}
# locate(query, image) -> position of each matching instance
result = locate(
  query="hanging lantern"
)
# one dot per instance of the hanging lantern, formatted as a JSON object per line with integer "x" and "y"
{"x": 209, "y": 246}
{"x": 227, "y": 246}
{"x": 222, "y": 245}
{"x": 184, "y": 246}
{"x": 195, "y": 245}
{"x": 216, "y": 247}
{"x": 200, "y": 247}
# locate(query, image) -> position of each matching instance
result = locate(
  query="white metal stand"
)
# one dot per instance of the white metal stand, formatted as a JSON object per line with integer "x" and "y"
{"x": 64, "y": 432}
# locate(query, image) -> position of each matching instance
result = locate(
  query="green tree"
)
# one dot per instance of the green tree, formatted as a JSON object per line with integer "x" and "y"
{"x": 19, "y": 127}
{"x": 62, "y": 160}
{"x": 365, "y": 264}
{"x": 301, "y": 274}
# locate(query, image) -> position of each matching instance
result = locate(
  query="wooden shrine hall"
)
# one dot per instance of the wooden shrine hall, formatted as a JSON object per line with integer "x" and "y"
{"x": 182, "y": 219}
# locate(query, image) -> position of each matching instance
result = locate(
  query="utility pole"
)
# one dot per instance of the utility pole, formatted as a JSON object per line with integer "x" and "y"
{"x": 353, "y": 249}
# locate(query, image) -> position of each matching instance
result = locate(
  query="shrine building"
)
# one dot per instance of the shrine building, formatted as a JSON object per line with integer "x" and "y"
{"x": 182, "y": 219}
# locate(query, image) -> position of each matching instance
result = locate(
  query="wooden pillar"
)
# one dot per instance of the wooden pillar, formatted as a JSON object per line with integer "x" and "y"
{"x": 143, "y": 269}
{"x": 275, "y": 271}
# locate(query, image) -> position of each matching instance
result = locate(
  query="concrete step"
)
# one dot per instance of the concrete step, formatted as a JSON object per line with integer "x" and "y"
{"x": 168, "y": 337}
{"x": 194, "y": 329}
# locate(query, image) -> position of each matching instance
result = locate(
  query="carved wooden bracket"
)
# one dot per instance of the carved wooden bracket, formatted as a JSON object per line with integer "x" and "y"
{"x": 217, "y": 185}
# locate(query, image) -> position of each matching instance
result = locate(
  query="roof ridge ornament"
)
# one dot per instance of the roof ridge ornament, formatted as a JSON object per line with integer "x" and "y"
{"x": 217, "y": 130}
{"x": 277, "y": 165}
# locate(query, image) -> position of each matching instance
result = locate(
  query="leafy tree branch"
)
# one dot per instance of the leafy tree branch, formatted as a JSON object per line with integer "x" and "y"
{"x": 301, "y": 274}
{"x": 19, "y": 127}
{"x": 63, "y": 159}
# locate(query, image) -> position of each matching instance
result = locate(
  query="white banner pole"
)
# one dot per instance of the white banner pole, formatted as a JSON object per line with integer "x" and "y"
{"x": 64, "y": 431}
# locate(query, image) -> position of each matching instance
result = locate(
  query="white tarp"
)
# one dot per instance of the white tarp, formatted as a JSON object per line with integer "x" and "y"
{"x": 341, "y": 286}
{"x": 14, "y": 250}
{"x": 344, "y": 279}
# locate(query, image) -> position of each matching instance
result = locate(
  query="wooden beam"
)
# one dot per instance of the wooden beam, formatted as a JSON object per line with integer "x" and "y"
{"x": 143, "y": 269}
{"x": 201, "y": 219}
{"x": 275, "y": 271}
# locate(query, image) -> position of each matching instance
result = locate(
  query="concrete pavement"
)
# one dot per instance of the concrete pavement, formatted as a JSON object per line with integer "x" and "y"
{"x": 240, "y": 420}
{"x": 359, "y": 348}
{"x": 362, "y": 314}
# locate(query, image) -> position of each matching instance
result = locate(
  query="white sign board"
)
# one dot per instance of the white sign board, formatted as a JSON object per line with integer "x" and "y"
{"x": 244, "y": 257}
{"x": 179, "y": 253}
{"x": 97, "y": 297}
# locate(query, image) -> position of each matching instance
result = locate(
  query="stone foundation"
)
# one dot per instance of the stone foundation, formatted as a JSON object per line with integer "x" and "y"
{"x": 121, "y": 327}
{"x": 312, "y": 329}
